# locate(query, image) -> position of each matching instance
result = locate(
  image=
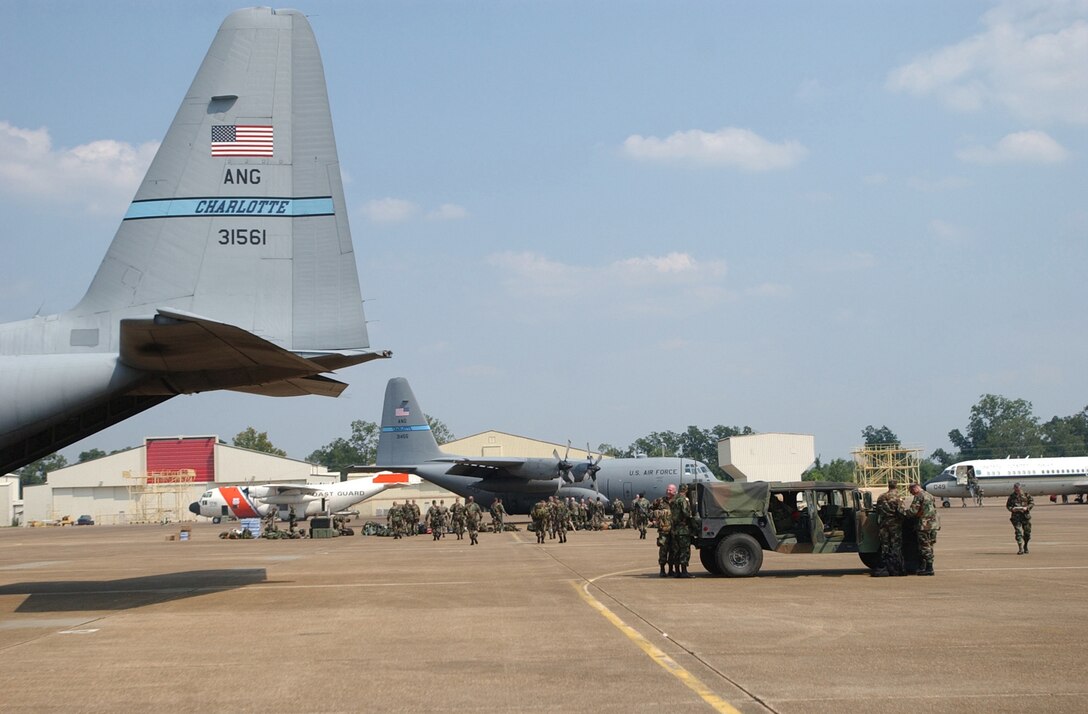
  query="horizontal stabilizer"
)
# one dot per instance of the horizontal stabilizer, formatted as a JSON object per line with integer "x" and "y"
{"x": 194, "y": 354}
{"x": 396, "y": 478}
{"x": 177, "y": 342}
{"x": 315, "y": 385}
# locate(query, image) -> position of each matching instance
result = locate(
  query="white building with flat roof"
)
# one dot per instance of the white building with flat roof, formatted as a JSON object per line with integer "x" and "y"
{"x": 767, "y": 457}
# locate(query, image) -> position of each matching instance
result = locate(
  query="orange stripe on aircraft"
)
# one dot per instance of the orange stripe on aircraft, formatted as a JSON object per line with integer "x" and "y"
{"x": 238, "y": 502}
{"x": 391, "y": 478}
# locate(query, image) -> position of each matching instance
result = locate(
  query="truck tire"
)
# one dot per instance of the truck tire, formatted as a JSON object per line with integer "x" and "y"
{"x": 709, "y": 558}
{"x": 872, "y": 560}
{"x": 739, "y": 556}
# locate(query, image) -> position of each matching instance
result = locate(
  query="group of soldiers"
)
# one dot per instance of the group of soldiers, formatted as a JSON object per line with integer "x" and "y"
{"x": 554, "y": 517}
{"x": 676, "y": 526}
{"x": 892, "y": 514}
{"x": 404, "y": 519}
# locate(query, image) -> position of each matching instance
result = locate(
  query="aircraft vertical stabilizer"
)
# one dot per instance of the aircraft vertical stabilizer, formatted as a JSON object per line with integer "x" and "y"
{"x": 233, "y": 267}
{"x": 241, "y": 217}
{"x": 406, "y": 438}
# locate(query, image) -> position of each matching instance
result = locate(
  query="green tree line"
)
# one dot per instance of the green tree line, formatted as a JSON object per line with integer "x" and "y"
{"x": 997, "y": 427}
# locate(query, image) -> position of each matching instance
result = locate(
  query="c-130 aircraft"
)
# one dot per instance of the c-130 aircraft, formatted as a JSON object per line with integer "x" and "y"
{"x": 406, "y": 444}
{"x": 232, "y": 269}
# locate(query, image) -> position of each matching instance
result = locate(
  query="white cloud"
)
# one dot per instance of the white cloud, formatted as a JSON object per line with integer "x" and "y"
{"x": 101, "y": 176}
{"x": 739, "y": 148}
{"x": 1022, "y": 147}
{"x": 1031, "y": 59}
{"x": 448, "y": 212}
{"x": 399, "y": 210}
{"x": 769, "y": 290}
{"x": 638, "y": 286}
{"x": 946, "y": 231}
{"x": 390, "y": 210}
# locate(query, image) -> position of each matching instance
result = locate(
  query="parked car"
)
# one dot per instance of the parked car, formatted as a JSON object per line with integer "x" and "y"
{"x": 84, "y": 521}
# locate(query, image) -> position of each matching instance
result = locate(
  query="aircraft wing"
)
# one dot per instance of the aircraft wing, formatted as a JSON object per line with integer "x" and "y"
{"x": 195, "y": 354}
{"x": 290, "y": 489}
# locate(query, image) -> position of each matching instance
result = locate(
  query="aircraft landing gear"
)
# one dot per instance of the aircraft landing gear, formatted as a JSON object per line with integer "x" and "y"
{"x": 945, "y": 503}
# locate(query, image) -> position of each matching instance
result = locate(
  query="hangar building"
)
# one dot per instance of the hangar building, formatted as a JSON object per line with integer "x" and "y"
{"x": 158, "y": 480}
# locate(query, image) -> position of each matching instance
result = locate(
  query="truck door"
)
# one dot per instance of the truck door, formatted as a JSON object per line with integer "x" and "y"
{"x": 815, "y": 523}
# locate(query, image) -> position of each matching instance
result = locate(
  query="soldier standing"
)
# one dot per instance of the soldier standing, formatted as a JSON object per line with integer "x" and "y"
{"x": 663, "y": 517}
{"x": 680, "y": 511}
{"x": 539, "y": 514}
{"x": 444, "y": 514}
{"x": 473, "y": 513}
{"x": 890, "y": 512}
{"x": 640, "y": 513}
{"x": 561, "y": 517}
{"x": 394, "y": 520}
{"x": 414, "y": 515}
{"x": 497, "y": 512}
{"x": 434, "y": 520}
{"x": 457, "y": 518}
{"x": 924, "y": 511}
{"x": 1020, "y": 505}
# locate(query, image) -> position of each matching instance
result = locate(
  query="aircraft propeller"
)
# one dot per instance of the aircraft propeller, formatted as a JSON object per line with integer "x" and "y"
{"x": 562, "y": 465}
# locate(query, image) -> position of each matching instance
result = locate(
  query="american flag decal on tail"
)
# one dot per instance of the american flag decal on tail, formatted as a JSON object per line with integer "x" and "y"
{"x": 241, "y": 140}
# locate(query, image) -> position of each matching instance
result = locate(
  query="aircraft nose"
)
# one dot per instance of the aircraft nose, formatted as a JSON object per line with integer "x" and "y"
{"x": 194, "y": 508}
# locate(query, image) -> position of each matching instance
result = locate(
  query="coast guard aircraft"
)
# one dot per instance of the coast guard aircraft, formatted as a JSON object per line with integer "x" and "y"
{"x": 307, "y": 499}
{"x": 407, "y": 444}
{"x": 232, "y": 269}
{"x": 1055, "y": 476}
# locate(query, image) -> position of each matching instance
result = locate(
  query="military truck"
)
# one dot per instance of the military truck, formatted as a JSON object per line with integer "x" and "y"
{"x": 740, "y": 520}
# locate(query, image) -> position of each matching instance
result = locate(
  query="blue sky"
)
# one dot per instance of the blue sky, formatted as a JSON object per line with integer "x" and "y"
{"x": 595, "y": 220}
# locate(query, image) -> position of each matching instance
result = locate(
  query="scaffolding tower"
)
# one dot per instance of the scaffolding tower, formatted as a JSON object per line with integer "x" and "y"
{"x": 159, "y": 496}
{"x": 876, "y": 464}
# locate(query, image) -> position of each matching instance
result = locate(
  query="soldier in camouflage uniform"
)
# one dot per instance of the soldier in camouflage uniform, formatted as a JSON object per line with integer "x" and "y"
{"x": 552, "y": 518}
{"x": 561, "y": 518}
{"x": 598, "y": 515}
{"x": 890, "y": 513}
{"x": 539, "y": 514}
{"x": 924, "y": 511}
{"x": 411, "y": 524}
{"x": 473, "y": 514}
{"x": 682, "y": 531}
{"x": 392, "y": 520}
{"x": 1020, "y": 505}
{"x": 663, "y": 518}
{"x": 617, "y": 513}
{"x": 640, "y": 515}
{"x": 434, "y": 520}
{"x": 497, "y": 512}
{"x": 457, "y": 518}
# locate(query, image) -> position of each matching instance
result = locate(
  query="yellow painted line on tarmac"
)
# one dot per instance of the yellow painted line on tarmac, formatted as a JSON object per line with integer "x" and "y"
{"x": 663, "y": 660}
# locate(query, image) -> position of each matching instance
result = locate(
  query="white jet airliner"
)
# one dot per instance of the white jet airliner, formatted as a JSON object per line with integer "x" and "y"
{"x": 1054, "y": 476}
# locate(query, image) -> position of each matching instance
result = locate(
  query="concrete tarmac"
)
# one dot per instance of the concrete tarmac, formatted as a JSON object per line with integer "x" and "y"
{"x": 110, "y": 618}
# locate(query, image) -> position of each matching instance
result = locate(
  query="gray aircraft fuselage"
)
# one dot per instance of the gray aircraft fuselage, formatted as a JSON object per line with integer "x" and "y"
{"x": 617, "y": 478}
